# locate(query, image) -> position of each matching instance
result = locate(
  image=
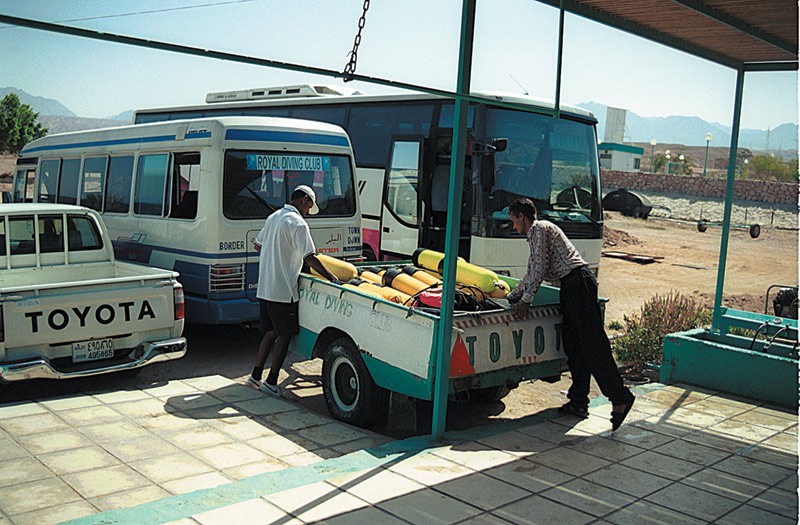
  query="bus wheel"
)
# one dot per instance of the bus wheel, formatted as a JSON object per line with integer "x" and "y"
{"x": 350, "y": 393}
{"x": 488, "y": 395}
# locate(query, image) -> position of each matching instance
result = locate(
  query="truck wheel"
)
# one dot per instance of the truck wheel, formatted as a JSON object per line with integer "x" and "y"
{"x": 488, "y": 395}
{"x": 350, "y": 393}
{"x": 755, "y": 230}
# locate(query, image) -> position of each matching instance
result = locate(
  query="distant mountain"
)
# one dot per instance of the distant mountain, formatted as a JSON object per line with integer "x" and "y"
{"x": 125, "y": 116}
{"x": 57, "y": 124}
{"x": 691, "y": 131}
{"x": 41, "y": 105}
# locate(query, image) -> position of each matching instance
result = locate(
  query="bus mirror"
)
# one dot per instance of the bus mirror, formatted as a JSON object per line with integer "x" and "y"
{"x": 499, "y": 144}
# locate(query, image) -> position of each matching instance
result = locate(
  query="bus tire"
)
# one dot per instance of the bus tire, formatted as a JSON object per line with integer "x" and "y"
{"x": 350, "y": 393}
{"x": 488, "y": 395}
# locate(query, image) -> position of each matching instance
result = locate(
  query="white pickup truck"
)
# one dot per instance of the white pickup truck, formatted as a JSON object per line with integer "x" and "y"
{"x": 372, "y": 347}
{"x": 69, "y": 309}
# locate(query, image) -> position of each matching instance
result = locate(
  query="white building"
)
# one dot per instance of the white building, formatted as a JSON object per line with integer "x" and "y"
{"x": 620, "y": 157}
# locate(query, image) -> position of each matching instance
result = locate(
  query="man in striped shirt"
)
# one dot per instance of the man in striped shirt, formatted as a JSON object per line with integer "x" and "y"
{"x": 554, "y": 258}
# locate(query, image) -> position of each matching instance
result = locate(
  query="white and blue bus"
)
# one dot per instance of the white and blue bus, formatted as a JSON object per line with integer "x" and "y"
{"x": 402, "y": 145}
{"x": 191, "y": 196}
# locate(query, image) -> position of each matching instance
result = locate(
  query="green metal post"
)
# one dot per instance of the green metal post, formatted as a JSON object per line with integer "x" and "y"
{"x": 726, "y": 220}
{"x": 444, "y": 332}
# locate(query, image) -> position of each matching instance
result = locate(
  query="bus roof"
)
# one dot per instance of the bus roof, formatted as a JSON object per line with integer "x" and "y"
{"x": 192, "y": 129}
{"x": 241, "y": 99}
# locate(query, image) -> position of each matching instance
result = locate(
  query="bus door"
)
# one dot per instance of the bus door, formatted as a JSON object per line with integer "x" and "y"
{"x": 400, "y": 210}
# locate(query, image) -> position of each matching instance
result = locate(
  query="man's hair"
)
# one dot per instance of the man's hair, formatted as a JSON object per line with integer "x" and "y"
{"x": 298, "y": 195}
{"x": 523, "y": 206}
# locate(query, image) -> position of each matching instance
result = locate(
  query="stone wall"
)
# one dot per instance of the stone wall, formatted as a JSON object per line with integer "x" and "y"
{"x": 750, "y": 190}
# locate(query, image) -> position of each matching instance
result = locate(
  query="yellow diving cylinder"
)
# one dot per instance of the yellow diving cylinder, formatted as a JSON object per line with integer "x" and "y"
{"x": 370, "y": 274}
{"x": 501, "y": 290}
{"x": 362, "y": 290}
{"x": 399, "y": 280}
{"x": 388, "y": 293}
{"x": 343, "y": 270}
{"x": 421, "y": 275}
{"x": 466, "y": 273}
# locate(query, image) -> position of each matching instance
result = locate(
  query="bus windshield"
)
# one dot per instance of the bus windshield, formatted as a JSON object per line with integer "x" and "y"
{"x": 551, "y": 161}
{"x": 256, "y": 183}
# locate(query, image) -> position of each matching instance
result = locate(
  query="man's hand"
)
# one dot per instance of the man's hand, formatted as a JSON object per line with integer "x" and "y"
{"x": 521, "y": 309}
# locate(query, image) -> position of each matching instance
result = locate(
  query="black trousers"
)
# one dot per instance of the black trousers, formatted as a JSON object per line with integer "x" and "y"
{"x": 585, "y": 341}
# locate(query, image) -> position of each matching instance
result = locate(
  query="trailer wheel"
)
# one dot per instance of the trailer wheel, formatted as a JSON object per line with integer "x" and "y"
{"x": 350, "y": 393}
{"x": 755, "y": 230}
{"x": 701, "y": 227}
{"x": 488, "y": 395}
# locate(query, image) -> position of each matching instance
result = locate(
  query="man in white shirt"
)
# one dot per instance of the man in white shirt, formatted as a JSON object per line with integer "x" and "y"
{"x": 284, "y": 244}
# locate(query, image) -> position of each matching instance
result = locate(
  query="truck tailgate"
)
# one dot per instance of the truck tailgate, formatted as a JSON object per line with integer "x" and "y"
{"x": 57, "y": 316}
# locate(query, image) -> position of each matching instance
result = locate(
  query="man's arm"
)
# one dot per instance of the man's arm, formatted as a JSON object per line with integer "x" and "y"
{"x": 313, "y": 261}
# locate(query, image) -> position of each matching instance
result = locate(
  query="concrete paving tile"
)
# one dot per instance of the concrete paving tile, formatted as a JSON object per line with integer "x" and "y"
{"x": 266, "y": 405}
{"x": 364, "y": 443}
{"x": 169, "y": 389}
{"x": 236, "y": 392}
{"x": 589, "y": 497}
{"x": 251, "y": 469}
{"x": 168, "y": 423}
{"x": 783, "y": 441}
{"x": 140, "y": 448}
{"x": 725, "y": 484}
{"x": 21, "y": 470}
{"x": 778, "y": 501}
{"x": 209, "y": 383}
{"x": 640, "y": 437}
{"x": 375, "y": 485}
{"x": 296, "y": 419}
{"x": 537, "y": 509}
{"x": 64, "y": 512}
{"x": 108, "y": 480}
{"x": 664, "y": 425}
{"x": 693, "y": 452}
{"x": 734, "y": 400}
{"x": 242, "y": 427}
{"x": 129, "y": 498}
{"x": 277, "y": 446}
{"x": 710, "y": 406}
{"x": 661, "y": 465}
{"x": 553, "y": 432}
{"x": 628, "y": 480}
{"x": 487, "y": 518}
{"x": 765, "y": 452}
{"x": 121, "y": 396}
{"x": 790, "y": 483}
{"x": 476, "y": 456}
{"x": 646, "y": 513}
{"x": 53, "y": 441}
{"x": 32, "y": 424}
{"x": 193, "y": 401}
{"x": 792, "y": 430}
{"x": 598, "y": 421}
{"x": 724, "y": 442}
{"x": 766, "y": 419}
{"x": 192, "y": 483}
{"x": 77, "y": 460}
{"x": 743, "y": 431}
{"x": 748, "y": 515}
{"x": 93, "y": 415}
{"x": 608, "y": 449}
{"x": 228, "y": 455}
{"x": 21, "y": 408}
{"x": 365, "y": 516}
{"x": 251, "y": 511}
{"x": 428, "y": 506}
{"x": 694, "y": 392}
{"x": 166, "y": 468}
{"x": 148, "y": 407}
{"x": 673, "y": 397}
{"x": 212, "y": 414}
{"x": 331, "y": 434}
{"x": 116, "y": 431}
{"x": 57, "y": 404}
{"x": 695, "y": 418}
{"x": 185, "y": 521}
{"x": 10, "y": 449}
{"x": 305, "y": 458}
{"x": 696, "y": 503}
{"x": 35, "y": 495}
{"x": 752, "y": 469}
{"x": 482, "y": 491}
{"x": 528, "y": 475}
{"x": 645, "y": 407}
{"x": 516, "y": 443}
{"x": 570, "y": 461}
{"x": 315, "y": 502}
{"x": 429, "y": 469}
{"x": 199, "y": 437}
{"x": 774, "y": 410}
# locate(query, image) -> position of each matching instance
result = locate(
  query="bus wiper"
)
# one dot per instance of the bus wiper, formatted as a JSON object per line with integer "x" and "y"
{"x": 261, "y": 199}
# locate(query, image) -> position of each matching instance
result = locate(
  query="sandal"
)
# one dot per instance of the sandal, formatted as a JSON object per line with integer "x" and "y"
{"x": 618, "y": 416}
{"x": 575, "y": 409}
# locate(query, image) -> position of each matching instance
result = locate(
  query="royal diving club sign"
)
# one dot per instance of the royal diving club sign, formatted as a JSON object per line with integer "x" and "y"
{"x": 256, "y": 162}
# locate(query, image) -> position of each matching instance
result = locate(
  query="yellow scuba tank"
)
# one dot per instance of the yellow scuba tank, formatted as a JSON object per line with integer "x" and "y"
{"x": 399, "y": 280}
{"x": 421, "y": 275}
{"x": 501, "y": 290}
{"x": 388, "y": 293}
{"x": 362, "y": 290}
{"x": 466, "y": 273}
{"x": 343, "y": 270}
{"x": 369, "y": 274}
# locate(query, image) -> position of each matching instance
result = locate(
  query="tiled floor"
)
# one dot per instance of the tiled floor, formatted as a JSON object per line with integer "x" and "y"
{"x": 212, "y": 452}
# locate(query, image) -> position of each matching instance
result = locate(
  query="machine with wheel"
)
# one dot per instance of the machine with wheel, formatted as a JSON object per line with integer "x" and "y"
{"x": 372, "y": 348}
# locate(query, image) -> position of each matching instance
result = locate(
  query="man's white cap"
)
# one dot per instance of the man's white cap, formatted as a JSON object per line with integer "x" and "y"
{"x": 308, "y": 191}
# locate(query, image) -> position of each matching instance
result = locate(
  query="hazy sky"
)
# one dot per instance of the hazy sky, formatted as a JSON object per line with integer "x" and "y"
{"x": 413, "y": 41}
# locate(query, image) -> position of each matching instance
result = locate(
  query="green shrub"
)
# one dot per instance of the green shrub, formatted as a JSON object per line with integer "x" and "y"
{"x": 643, "y": 337}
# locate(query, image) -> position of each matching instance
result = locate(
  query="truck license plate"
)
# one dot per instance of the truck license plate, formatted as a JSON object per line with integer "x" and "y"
{"x": 92, "y": 350}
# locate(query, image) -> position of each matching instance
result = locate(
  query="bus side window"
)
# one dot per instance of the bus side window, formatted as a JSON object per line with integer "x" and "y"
{"x": 118, "y": 185}
{"x": 48, "y": 180}
{"x": 184, "y": 184}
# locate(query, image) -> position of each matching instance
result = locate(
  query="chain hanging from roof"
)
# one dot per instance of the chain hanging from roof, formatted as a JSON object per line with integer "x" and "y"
{"x": 350, "y": 68}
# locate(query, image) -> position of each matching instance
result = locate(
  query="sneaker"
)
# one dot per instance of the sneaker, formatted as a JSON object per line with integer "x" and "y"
{"x": 252, "y": 382}
{"x": 574, "y": 409}
{"x": 273, "y": 390}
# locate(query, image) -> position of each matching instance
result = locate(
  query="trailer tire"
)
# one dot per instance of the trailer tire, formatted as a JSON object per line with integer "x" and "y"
{"x": 350, "y": 393}
{"x": 491, "y": 394}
